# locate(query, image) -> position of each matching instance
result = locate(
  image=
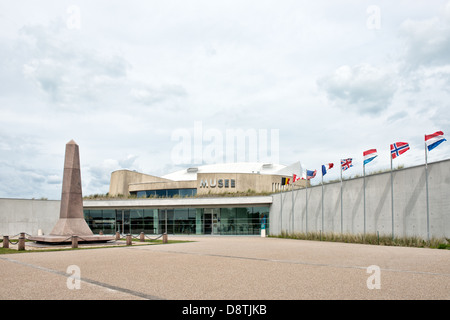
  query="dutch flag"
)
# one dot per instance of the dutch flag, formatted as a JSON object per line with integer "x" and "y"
{"x": 369, "y": 155}
{"x": 434, "y": 139}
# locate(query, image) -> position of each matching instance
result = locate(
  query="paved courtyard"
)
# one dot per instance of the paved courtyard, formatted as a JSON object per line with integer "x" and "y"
{"x": 230, "y": 268}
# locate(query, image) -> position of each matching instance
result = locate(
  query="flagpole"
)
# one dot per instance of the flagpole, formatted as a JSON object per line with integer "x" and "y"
{"x": 281, "y": 209}
{"x": 426, "y": 180}
{"x": 306, "y": 203}
{"x": 342, "y": 227}
{"x": 322, "y": 204}
{"x": 392, "y": 199}
{"x": 292, "y": 195}
{"x": 364, "y": 181}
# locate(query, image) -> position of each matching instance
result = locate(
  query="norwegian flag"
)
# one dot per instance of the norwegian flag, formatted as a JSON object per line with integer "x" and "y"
{"x": 398, "y": 149}
{"x": 346, "y": 164}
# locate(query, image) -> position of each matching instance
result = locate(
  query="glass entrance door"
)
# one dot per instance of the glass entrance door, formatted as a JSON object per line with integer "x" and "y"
{"x": 211, "y": 221}
{"x": 207, "y": 223}
{"x": 215, "y": 223}
{"x": 123, "y": 224}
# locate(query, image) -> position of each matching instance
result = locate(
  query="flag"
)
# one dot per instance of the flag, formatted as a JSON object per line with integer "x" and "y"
{"x": 310, "y": 174}
{"x": 284, "y": 181}
{"x": 346, "y": 164}
{"x": 326, "y": 167}
{"x": 398, "y": 149}
{"x": 295, "y": 178}
{"x": 369, "y": 155}
{"x": 434, "y": 139}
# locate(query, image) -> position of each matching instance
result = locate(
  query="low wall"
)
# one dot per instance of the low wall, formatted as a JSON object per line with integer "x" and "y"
{"x": 25, "y": 215}
{"x": 289, "y": 211}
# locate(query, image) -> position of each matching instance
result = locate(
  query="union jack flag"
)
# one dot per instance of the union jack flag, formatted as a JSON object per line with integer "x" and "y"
{"x": 398, "y": 148}
{"x": 346, "y": 164}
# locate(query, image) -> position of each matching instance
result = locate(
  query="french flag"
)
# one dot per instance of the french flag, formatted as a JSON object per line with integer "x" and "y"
{"x": 434, "y": 139}
{"x": 369, "y": 155}
{"x": 326, "y": 167}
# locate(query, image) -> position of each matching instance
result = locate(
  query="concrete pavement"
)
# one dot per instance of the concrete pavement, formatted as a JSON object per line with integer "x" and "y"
{"x": 230, "y": 268}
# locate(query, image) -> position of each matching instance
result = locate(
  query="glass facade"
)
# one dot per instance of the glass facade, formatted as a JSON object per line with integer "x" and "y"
{"x": 165, "y": 193}
{"x": 218, "y": 221}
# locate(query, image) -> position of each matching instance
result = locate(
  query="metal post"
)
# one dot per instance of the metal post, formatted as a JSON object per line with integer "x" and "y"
{"x": 322, "y": 204}
{"x": 426, "y": 179}
{"x": 292, "y": 211}
{"x": 306, "y": 204}
{"x": 392, "y": 199}
{"x": 281, "y": 210}
{"x": 342, "y": 208}
{"x": 364, "y": 181}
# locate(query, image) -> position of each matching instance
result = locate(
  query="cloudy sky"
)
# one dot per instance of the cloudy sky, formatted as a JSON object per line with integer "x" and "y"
{"x": 124, "y": 78}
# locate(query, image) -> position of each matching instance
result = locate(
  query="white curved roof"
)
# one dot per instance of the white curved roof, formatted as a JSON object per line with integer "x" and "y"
{"x": 238, "y": 167}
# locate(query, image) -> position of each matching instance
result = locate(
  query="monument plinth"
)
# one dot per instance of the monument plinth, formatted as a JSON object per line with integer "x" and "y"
{"x": 71, "y": 217}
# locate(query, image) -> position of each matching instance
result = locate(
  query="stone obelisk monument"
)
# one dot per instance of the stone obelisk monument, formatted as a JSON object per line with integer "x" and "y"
{"x": 71, "y": 217}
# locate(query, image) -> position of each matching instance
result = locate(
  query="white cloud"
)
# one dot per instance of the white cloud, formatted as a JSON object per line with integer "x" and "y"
{"x": 427, "y": 42}
{"x": 68, "y": 73}
{"x": 362, "y": 88}
{"x": 135, "y": 72}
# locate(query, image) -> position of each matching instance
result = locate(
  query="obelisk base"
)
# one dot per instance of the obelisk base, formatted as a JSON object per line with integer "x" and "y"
{"x": 71, "y": 226}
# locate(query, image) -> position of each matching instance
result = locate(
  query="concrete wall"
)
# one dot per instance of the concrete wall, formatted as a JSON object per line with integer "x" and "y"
{"x": 25, "y": 215}
{"x": 288, "y": 211}
{"x": 121, "y": 179}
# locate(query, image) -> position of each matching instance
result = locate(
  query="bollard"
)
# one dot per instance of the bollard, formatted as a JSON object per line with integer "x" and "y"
{"x": 100, "y": 233}
{"x": 164, "y": 238}
{"x": 5, "y": 241}
{"x": 21, "y": 245}
{"x": 142, "y": 237}
{"x": 117, "y": 235}
{"x": 128, "y": 239}
{"x": 74, "y": 241}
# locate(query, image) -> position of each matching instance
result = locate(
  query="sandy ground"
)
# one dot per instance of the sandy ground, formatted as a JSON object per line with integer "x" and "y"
{"x": 229, "y": 268}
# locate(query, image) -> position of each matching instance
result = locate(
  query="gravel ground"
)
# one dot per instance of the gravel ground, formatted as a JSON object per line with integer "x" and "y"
{"x": 229, "y": 268}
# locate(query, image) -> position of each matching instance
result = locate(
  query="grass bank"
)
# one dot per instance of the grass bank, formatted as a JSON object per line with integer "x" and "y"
{"x": 81, "y": 247}
{"x": 369, "y": 238}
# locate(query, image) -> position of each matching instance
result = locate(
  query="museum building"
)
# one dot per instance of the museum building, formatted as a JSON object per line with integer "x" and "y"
{"x": 192, "y": 201}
